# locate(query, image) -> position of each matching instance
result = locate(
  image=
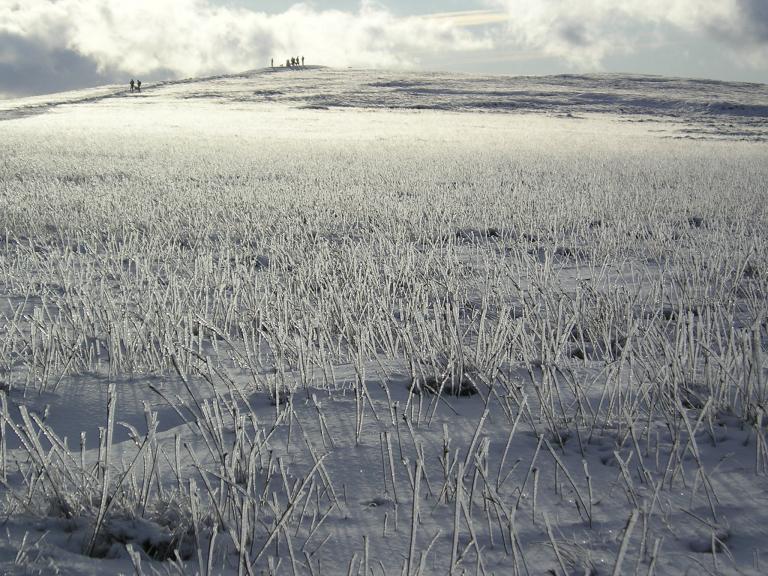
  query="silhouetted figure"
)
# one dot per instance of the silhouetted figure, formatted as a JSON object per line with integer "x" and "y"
{"x": 272, "y": 63}
{"x": 138, "y": 85}
{"x": 132, "y": 84}
{"x": 302, "y": 61}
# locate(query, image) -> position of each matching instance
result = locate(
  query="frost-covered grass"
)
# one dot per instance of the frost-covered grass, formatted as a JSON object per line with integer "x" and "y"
{"x": 379, "y": 342}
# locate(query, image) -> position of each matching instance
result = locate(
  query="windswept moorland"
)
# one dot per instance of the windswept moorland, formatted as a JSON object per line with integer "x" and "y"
{"x": 322, "y": 322}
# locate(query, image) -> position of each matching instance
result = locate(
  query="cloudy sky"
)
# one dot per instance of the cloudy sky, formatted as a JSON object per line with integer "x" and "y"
{"x": 51, "y": 45}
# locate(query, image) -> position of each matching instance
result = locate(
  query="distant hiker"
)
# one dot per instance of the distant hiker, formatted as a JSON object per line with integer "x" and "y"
{"x": 302, "y": 61}
{"x": 132, "y": 83}
{"x": 138, "y": 85}
{"x": 272, "y": 63}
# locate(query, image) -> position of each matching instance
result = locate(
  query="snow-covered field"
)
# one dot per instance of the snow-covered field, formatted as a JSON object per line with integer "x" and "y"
{"x": 348, "y": 322}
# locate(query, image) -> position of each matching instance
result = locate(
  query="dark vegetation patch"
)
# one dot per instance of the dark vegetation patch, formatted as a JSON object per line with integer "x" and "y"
{"x": 160, "y": 543}
{"x": 450, "y": 384}
{"x": 475, "y": 234}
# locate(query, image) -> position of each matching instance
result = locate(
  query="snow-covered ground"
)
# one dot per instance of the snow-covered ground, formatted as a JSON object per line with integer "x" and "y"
{"x": 228, "y": 304}
{"x": 697, "y": 108}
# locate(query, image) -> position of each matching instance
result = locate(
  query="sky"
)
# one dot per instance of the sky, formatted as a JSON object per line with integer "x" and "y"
{"x": 54, "y": 45}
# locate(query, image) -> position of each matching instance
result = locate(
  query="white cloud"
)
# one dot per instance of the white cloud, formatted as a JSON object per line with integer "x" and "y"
{"x": 197, "y": 37}
{"x": 585, "y": 32}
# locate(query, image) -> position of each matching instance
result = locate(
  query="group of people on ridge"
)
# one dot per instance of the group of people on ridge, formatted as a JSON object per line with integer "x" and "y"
{"x": 291, "y": 62}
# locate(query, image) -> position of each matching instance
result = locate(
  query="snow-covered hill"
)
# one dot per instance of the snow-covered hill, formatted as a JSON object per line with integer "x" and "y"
{"x": 349, "y": 322}
{"x": 699, "y": 108}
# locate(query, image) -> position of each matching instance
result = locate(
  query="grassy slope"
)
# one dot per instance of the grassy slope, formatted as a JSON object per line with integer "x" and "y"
{"x": 603, "y": 288}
